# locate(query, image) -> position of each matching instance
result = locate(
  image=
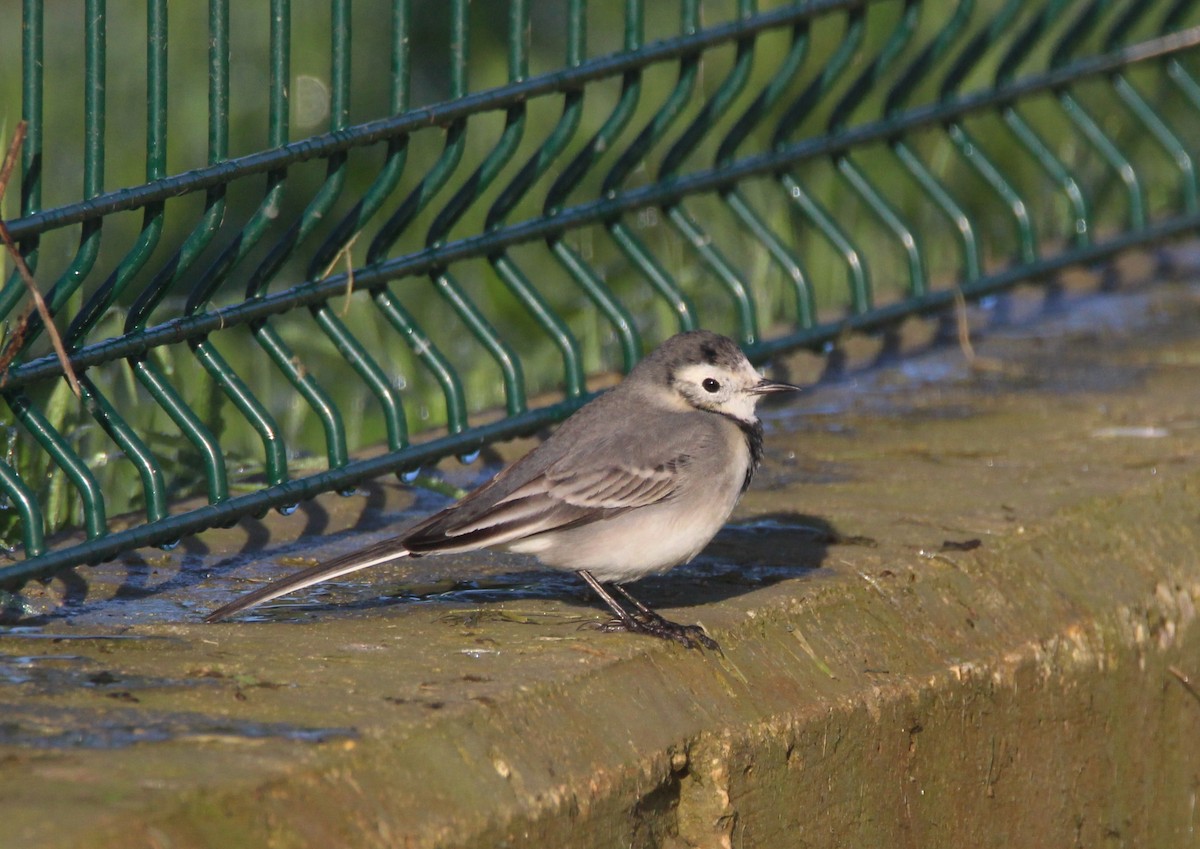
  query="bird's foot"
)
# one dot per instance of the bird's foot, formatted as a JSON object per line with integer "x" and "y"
{"x": 653, "y": 625}
{"x": 642, "y": 620}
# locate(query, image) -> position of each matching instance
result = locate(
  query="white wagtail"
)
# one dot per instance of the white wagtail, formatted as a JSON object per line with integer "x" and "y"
{"x": 634, "y": 483}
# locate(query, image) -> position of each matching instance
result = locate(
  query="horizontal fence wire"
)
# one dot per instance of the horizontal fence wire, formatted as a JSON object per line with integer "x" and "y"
{"x": 397, "y": 221}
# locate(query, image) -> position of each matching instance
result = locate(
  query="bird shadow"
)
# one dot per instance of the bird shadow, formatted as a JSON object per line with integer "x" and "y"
{"x": 171, "y": 575}
{"x": 744, "y": 556}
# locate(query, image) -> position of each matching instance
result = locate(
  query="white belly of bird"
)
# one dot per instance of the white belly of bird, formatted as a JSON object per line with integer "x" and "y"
{"x": 638, "y": 543}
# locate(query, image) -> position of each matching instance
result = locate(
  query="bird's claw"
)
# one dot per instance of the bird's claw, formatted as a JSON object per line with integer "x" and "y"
{"x": 688, "y": 636}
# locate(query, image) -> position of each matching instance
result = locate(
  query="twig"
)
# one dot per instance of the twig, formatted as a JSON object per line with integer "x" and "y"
{"x": 18, "y": 337}
{"x": 1185, "y": 681}
{"x": 344, "y": 254}
{"x": 963, "y": 325}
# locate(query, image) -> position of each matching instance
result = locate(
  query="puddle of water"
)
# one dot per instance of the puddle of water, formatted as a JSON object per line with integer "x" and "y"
{"x": 1130, "y": 433}
{"x": 37, "y": 634}
{"x": 46, "y": 727}
{"x": 29, "y": 669}
{"x": 50, "y": 675}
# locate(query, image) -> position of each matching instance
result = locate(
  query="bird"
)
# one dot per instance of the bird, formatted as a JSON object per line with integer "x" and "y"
{"x": 634, "y": 483}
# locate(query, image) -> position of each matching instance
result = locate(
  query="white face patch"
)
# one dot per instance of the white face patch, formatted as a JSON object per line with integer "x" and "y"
{"x": 716, "y": 388}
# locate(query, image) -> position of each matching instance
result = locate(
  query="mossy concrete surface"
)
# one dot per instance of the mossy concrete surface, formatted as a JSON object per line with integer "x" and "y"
{"x": 957, "y": 608}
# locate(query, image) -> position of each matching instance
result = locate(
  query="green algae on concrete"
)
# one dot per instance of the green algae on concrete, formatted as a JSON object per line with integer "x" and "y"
{"x": 957, "y": 608}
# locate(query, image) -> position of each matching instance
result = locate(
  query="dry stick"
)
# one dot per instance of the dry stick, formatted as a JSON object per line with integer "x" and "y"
{"x": 1185, "y": 681}
{"x": 963, "y": 325}
{"x": 10, "y": 351}
{"x": 345, "y": 254}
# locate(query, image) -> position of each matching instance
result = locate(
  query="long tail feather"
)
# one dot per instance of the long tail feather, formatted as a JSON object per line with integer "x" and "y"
{"x": 381, "y": 552}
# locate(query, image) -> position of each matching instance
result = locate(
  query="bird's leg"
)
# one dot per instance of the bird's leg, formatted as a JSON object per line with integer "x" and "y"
{"x": 624, "y": 620}
{"x": 648, "y": 622}
{"x": 648, "y": 613}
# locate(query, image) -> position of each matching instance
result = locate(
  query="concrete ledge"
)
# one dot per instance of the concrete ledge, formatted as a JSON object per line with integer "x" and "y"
{"x": 1041, "y": 687}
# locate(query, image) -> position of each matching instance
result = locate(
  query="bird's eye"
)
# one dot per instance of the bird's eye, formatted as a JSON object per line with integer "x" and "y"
{"x": 710, "y": 385}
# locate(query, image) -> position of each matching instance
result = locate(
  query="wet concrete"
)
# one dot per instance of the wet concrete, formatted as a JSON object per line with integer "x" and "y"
{"x": 957, "y": 608}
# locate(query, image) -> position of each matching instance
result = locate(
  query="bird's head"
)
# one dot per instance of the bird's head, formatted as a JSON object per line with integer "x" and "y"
{"x": 707, "y": 371}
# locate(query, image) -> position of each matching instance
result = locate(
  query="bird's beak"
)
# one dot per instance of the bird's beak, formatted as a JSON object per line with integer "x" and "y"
{"x": 768, "y": 387}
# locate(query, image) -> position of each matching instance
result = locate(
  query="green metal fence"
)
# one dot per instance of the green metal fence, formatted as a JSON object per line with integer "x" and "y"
{"x": 507, "y": 197}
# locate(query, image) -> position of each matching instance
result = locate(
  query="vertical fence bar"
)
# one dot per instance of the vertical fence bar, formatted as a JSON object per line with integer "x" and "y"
{"x": 754, "y": 224}
{"x": 678, "y": 302}
{"x": 147, "y": 373}
{"x": 265, "y": 335}
{"x": 968, "y": 146}
{"x": 558, "y": 138}
{"x": 856, "y": 264}
{"x": 854, "y": 176}
{"x": 17, "y": 492}
{"x": 687, "y": 226}
{"x": 31, "y": 418}
{"x": 938, "y": 192}
{"x": 444, "y": 284}
{"x": 205, "y": 352}
{"x": 580, "y": 271}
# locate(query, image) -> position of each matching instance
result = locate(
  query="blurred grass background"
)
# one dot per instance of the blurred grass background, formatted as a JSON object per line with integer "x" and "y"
{"x": 430, "y": 37}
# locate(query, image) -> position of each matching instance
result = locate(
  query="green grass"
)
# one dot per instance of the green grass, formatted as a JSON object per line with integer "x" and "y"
{"x": 424, "y": 405}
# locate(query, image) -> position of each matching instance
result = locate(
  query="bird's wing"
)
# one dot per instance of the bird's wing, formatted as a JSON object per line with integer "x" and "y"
{"x": 615, "y": 487}
{"x": 564, "y": 495}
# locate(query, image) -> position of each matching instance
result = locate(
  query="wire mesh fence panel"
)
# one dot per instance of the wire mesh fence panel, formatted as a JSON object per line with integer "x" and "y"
{"x": 290, "y": 246}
